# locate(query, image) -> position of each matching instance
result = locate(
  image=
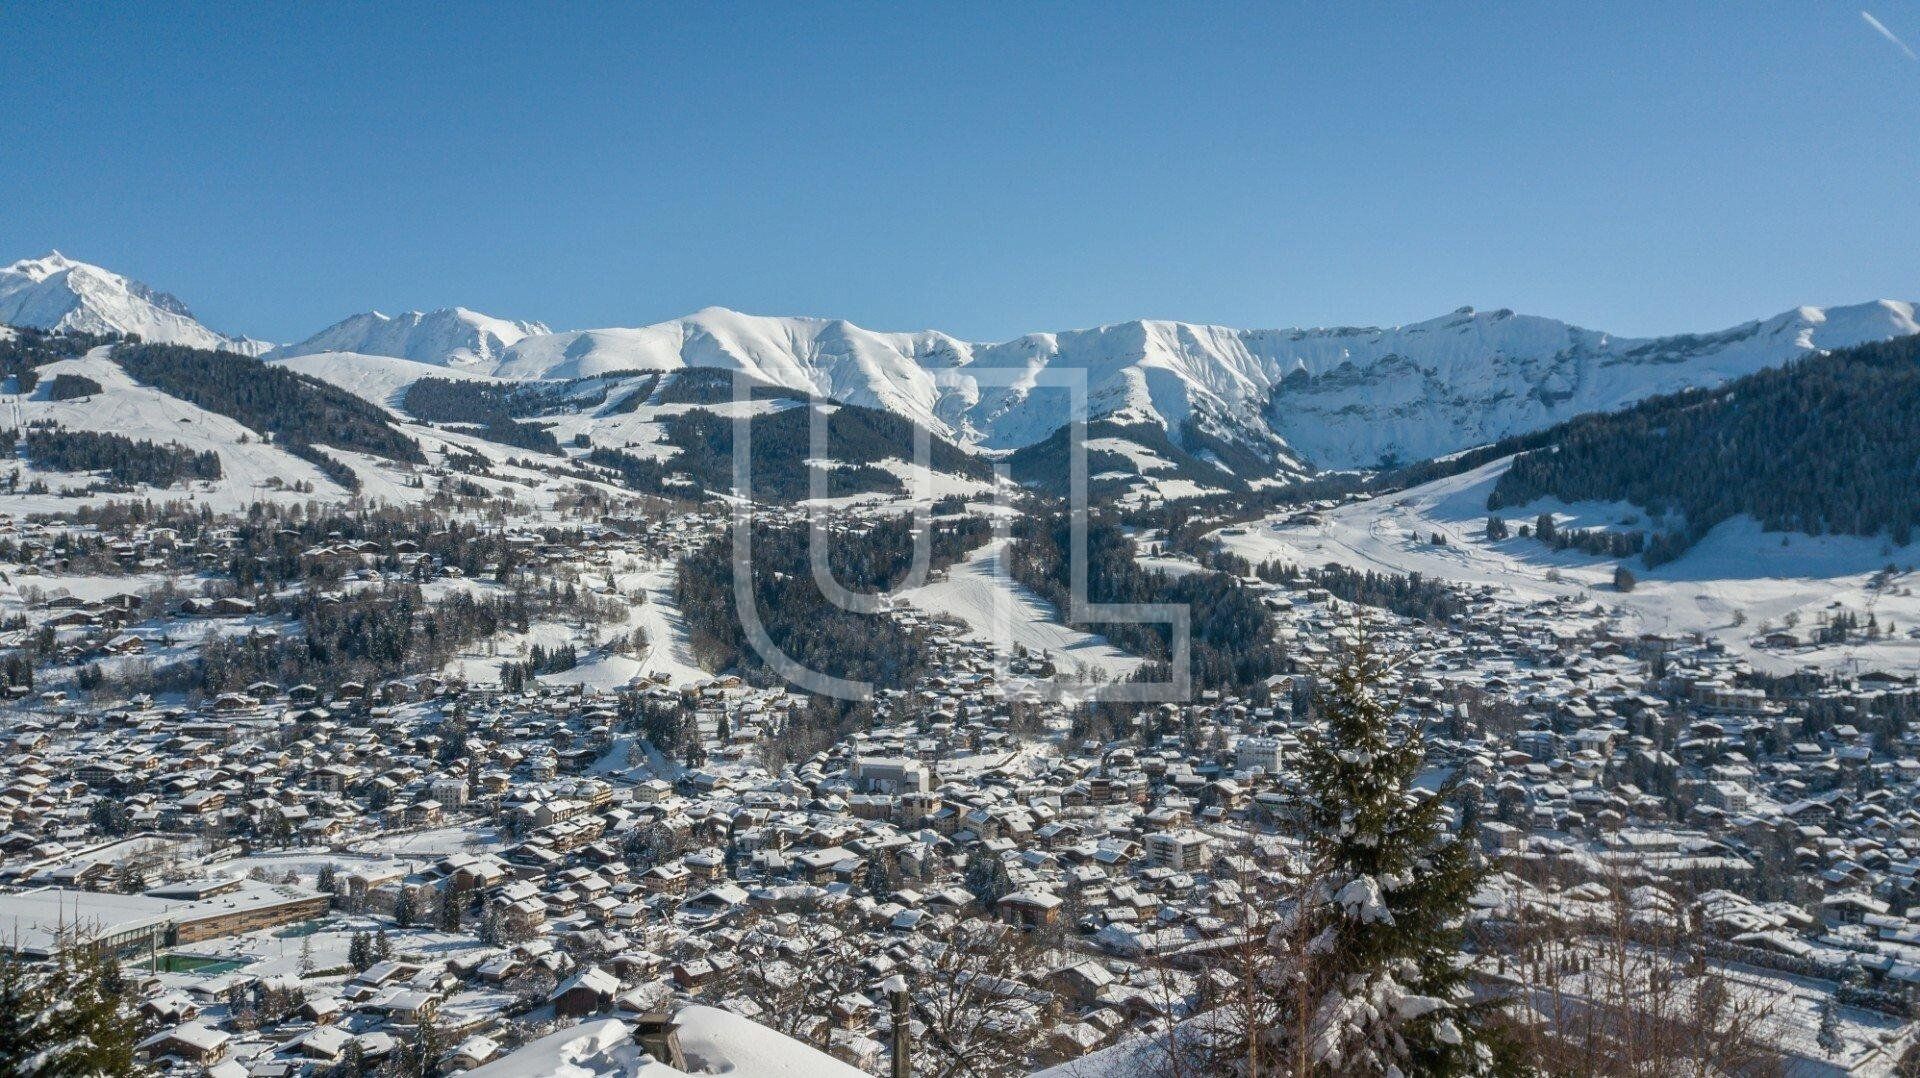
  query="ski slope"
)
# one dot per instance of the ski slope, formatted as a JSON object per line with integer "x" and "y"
{"x": 997, "y": 609}
{"x": 669, "y": 651}
{"x": 252, "y": 470}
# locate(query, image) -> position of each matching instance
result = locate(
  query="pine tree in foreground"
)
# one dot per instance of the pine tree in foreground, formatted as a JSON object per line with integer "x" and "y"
{"x": 1378, "y": 979}
{"x": 69, "y": 1016}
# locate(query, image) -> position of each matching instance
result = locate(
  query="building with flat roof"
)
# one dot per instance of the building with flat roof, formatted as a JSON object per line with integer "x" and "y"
{"x": 42, "y": 921}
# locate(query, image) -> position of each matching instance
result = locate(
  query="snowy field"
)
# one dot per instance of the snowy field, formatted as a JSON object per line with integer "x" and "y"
{"x": 380, "y": 379}
{"x": 668, "y": 651}
{"x": 434, "y": 843}
{"x": 714, "y": 1041}
{"x": 1733, "y": 585}
{"x": 995, "y": 608}
{"x": 251, "y": 469}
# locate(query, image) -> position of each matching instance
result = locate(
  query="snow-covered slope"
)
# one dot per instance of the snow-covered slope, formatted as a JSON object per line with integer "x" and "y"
{"x": 1341, "y": 397}
{"x": 1471, "y": 377}
{"x": 1256, "y": 402}
{"x": 377, "y": 378}
{"x": 252, "y": 468}
{"x": 451, "y": 336}
{"x": 714, "y": 1041}
{"x": 980, "y": 592}
{"x": 56, "y": 292}
{"x": 1731, "y": 586}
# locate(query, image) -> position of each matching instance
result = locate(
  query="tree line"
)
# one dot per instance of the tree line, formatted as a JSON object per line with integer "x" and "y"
{"x": 297, "y": 411}
{"x": 121, "y": 459}
{"x": 1825, "y": 444}
{"x": 868, "y": 557}
{"x": 25, "y": 348}
{"x": 1232, "y": 644}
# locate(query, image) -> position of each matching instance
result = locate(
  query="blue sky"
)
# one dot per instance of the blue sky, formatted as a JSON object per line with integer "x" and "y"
{"x": 986, "y": 169}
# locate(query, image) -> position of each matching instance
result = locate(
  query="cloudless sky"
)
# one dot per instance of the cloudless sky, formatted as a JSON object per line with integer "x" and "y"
{"x": 987, "y": 169}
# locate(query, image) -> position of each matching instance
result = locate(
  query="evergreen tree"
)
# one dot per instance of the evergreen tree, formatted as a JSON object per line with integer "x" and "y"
{"x": 359, "y": 951}
{"x": 382, "y": 946}
{"x": 489, "y": 929}
{"x": 72, "y": 1015}
{"x": 422, "y": 1055}
{"x": 1496, "y": 527}
{"x": 449, "y": 912}
{"x": 1623, "y": 578}
{"x": 1828, "y": 1038}
{"x": 1381, "y": 918}
{"x": 987, "y": 879}
{"x": 404, "y": 911}
{"x": 883, "y": 874}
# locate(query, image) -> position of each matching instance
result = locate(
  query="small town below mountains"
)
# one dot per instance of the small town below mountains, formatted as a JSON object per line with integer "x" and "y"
{"x": 453, "y": 872}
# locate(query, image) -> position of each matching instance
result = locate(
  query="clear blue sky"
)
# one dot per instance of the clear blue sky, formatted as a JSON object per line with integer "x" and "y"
{"x": 985, "y": 168}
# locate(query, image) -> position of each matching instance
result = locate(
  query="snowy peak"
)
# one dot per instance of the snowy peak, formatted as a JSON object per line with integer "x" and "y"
{"x": 450, "y": 336}
{"x": 1256, "y": 402}
{"x": 831, "y": 357}
{"x": 1348, "y": 396}
{"x": 1357, "y": 397}
{"x": 59, "y": 293}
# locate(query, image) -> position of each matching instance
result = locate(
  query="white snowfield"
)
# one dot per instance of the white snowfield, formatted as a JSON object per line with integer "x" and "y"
{"x": 997, "y": 608}
{"x": 714, "y": 1041}
{"x": 668, "y": 649}
{"x": 56, "y": 292}
{"x": 1341, "y": 397}
{"x": 449, "y": 337}
{"x": 1732, "y": 585}
{"x": 252, "y": 469}
{"x": 382, "y": 380}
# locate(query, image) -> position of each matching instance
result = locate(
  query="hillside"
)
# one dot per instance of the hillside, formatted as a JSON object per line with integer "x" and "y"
{"x": 869, "y": 452}
{"x": 1828, "y": 444}
{"x": 296, "y": 410}
{"x": 1730, "y": 586}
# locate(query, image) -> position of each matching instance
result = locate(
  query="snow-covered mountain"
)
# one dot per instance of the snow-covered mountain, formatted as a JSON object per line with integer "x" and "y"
{"x": 57, "y": 292}
{"x": 1340, "y": 397}
{"x": 451, "y": 336}
{"x": 1355, "y": 397}
{"x": 1255, "y": 402}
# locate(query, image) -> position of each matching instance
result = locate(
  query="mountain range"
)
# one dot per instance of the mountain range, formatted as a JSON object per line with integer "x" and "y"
{"x": 1258, "y": 403}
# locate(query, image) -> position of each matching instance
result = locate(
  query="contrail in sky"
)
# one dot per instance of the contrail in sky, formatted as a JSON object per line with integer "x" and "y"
{"x": 1881, "y": 29}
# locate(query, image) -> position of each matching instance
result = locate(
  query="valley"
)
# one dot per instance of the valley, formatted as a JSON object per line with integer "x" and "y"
{"x": 387, "y": 700}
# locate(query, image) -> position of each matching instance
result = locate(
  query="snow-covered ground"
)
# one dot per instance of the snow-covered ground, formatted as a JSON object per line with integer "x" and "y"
{"x": 998, "y": 609}
{"x": 437, "y": 842}
{"x": 1732, "y": 585}
{"x": 380, "y": 379}
{"x": 668, "y": 650}
{"x": 251, "y": 469}
{"x": 714, "y": 1041}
